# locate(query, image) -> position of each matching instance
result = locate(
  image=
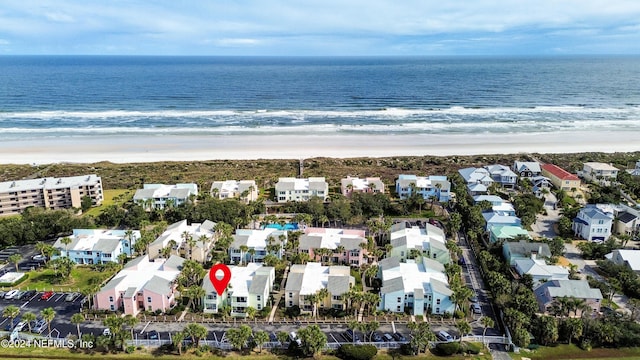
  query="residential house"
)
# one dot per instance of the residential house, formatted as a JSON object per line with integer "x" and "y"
{"x": 256, "y": 243}
{"x": 539, "y": 270}
{"x": 553, "y": 290}
{"x": 527, "y": 169}
{"x": 495, "y": 200}
{"x": 635, "y": 171}
{"x": 540, "y": 183}
{"x": 627, "y": 220}
{"x": 349, "y": 185}
{"x": 503, "y": 234}
{"x": 420, "y": 286}
{"x": 477, "y": 189}
{"x": 250, "y": 286}
{"x": 593, "y": 223}
{"x": 142, "y": 284}
{"x": 308, "y": 279}
{"x": 292, "y": 189}
{"x": 193, "y": 242}
{"x": 347, "y": 241}
{"x": 629, "y": 258}
{"x": 159, "y": 196}
{"x": 49, "y": 193}
{"x": 473, "y": 175}
{"x": 513, "y": 251}
{"x": 428, "y": 187}
{"x": 428, "y": 241}
{"x": 599, "y": 171}
{"x": 561, "y": 178}
{"x": 492, "y": 219}
{"x": 502, "y": 175}
{"x": 96, "y": 246}
{"x": 246, "y": 190}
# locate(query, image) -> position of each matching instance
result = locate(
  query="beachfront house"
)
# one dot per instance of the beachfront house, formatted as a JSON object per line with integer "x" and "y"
{"x": 337, "y": 246}
{"x": 292, "y": 189}
{"x": 310, "y": 279}
{"x": 420, "y": 286}
{"x": 539, "y": 270}
{"x": 599, "y": 171}
{"x": 250, "y": 287}
{"x": 628, "y": 258}
{"x": 409, "y": 242}
{"x": 515, "y": 250}
{"x": 527, "y": 169}
{"x": 49, "y": 193}
{"x": 96, "y": 246}
{"x": 593, "y": 223}
{"x": 502, "y": 175}
{"x": 142, "y": 285}
{"x": 561, "y": 178}
{"x": 193, "y": 242}
{"x": 427, "y": 187}
{"x": 497, "y": 218}
{"x": 245, "y": 190}
{"x": 494, "y": 200}
{"x": 627, "y": 220}
{"x": 371, "y": 185}
{"x": 159, "y": 196}
{"x": 551, "y": 291}
{"x": 252, "y": 245}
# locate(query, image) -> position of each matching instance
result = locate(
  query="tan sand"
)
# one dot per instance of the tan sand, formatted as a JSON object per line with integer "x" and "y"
{"x": 195, "y": 148}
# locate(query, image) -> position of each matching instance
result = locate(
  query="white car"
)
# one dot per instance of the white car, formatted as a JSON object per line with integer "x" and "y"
{"x": 21, "y": 325}
{"x": 11, "y": 294}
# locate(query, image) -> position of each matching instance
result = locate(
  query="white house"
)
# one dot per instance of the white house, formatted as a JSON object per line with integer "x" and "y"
{"x": 428, "y": 241}
{"x": 540, "y": 271}
{"x": 593, "y": 223}
{"x": 425, "y": 186}
{"x": 597, "y": 170}
{"x": 420, "y": 286}
{"x": 495, "y": 200}
{"x": 247, "y": 190}
{"x": 96, "y": 246}
{"x": 629, "y": 258}
{"x": 158, "y": 196}
{"x": 502, "y": 175}
{"x": 250, "y": 286}
{"x": 193, "y": 241}
{"x": 349, "y": 185}
{"x": 308, "y": 279}
{"x": 292, "y": 189}
{"x": 256, "y": 242}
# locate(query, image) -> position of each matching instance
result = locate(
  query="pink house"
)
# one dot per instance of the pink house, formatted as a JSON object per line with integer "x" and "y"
{"x": 349, "y": 185}
{"x": 143, "y": 284}
{"x": 343, "y": 243}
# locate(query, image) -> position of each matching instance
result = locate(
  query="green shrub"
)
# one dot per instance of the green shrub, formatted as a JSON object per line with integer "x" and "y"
{"x": 448, "y": 348}
{"x": 472, "y": 348}
{"x": 22, "y": 279}
{"x": 130, "y": 349}
{"x": 357, "y": 352}
{"x": 458, "y": 314}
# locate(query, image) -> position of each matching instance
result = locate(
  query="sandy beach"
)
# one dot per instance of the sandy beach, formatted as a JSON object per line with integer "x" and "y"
{"x": 197, "y": 148}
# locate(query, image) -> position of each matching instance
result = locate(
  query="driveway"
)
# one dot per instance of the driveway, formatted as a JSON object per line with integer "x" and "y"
{"x": 543, "y": 227}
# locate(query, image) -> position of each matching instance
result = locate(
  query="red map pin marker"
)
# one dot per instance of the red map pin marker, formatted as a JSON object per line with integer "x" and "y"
{"x": 220, "y": 284}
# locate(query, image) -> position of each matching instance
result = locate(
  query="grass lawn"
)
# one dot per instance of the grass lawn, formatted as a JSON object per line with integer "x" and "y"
{"x": 81, "y": 277}
{"x": 111, "y": 197}
{"x": 573, "y": 352}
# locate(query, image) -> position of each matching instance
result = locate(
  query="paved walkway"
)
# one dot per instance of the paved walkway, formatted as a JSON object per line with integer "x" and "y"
{"x": 279, "y": 295}
{"x": 544, "y": 225}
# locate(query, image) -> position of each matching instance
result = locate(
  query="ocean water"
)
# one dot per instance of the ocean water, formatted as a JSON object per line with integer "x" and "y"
{"x": 58, "y": 97}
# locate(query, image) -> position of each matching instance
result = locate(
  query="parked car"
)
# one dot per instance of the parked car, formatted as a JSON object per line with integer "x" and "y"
{"x": 12, "y": 324}
{"x": 294, "y": 338}
{"x": 2, "y": 293}
{"x": 473, "y": 298}
{"x": 387, "y": 337}
{"x": 21, "y": 326}
{"x": 476, "y": 308}
{"x": 444, "y": 336}
{"x": 151, "y": 335}
{"x": 106, "y": 332}
{"x": 351, "y": 336}
{"x": 273, "y": 337}
{"x": 46, "y": 295}
{"x": 71, "y": 296}
{"x": 39, "y": 258}
{"x": 38, "y": 326}
{"x": 11, "y": 294}
{"x": 375, "y": 337}
{"x": 399, "y": 337}
{"x": 28, "y": 294}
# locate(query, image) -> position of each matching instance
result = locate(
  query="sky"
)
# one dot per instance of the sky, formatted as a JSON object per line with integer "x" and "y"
{"x": 319, "y": 27}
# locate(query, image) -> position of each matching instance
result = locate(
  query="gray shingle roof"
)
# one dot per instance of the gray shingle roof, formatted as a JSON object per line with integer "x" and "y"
{"x": 258, "y": 284}
{"x": 392, "y": 285}
{"x": 131, "y": 292}
{"x": 310, "y": 242}
{"x": 142, "y": 194}
{"x": 432, "y": 264}
{"x": 106, "y": 245}
{"x": 239, "y": 240}
{"x": 338, "y": 285}
{"x": 570, "y": 288}
{"x": 112, "y": 283}
{"x": 389, "y": 263}
{"x": 174, "y": 262}
{"x": 525, "y": 248}
{"x": 158, "y": 285}
{"x": 294, "y": 281}
{"x": 440, "y": 287}
{"x": 351, "y": 243}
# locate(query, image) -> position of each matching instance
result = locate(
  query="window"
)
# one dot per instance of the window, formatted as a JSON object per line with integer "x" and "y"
{"x": 437, "y": 301}
{"x": 290, "y": 295}
{"x": 241, "y": 299}
{"x": 110, "y": 298}
{"x": 211, "y": 297}
{"x": 399, "y": 299}
{"x": 112, "y": 307}
{"x": 336, "y": 297}
{"x": 398, "y": 308}
{"x": 148, "y": 298}
{"x": 258, "y": 297}
{"x": 290, "y": 303}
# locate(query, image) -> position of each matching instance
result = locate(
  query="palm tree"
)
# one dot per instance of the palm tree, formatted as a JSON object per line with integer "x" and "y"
{"x": 486, "y": 322}
{"x": 260, "y": 338}
{"x": 252, "y": 253}
{"x": 28, "y": 317}
{"x": 131, "y": 321}
{"x": 463, "y": 327}
{"x": 243, "y": 250}
{"x": 77, "y": 319}
{"x": 129, "y": 236}
{"x": 66, "y": 241}
{"x": 11, "y": 312}
{"x": 48, "y": 314}
{"x": 196, "y": 331}
{"x": 203, "y": 239}
{"x": 41, "y": 246}
{"x": 177, "y": 341}
{"x": 15, "y": 259}
{"x": 321, "y": 295}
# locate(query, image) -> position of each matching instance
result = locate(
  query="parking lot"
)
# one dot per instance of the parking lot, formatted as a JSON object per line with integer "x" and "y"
{"x": 61, "y": 324}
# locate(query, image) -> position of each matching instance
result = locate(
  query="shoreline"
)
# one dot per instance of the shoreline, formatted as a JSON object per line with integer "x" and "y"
{"x": 134, "y": 149}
